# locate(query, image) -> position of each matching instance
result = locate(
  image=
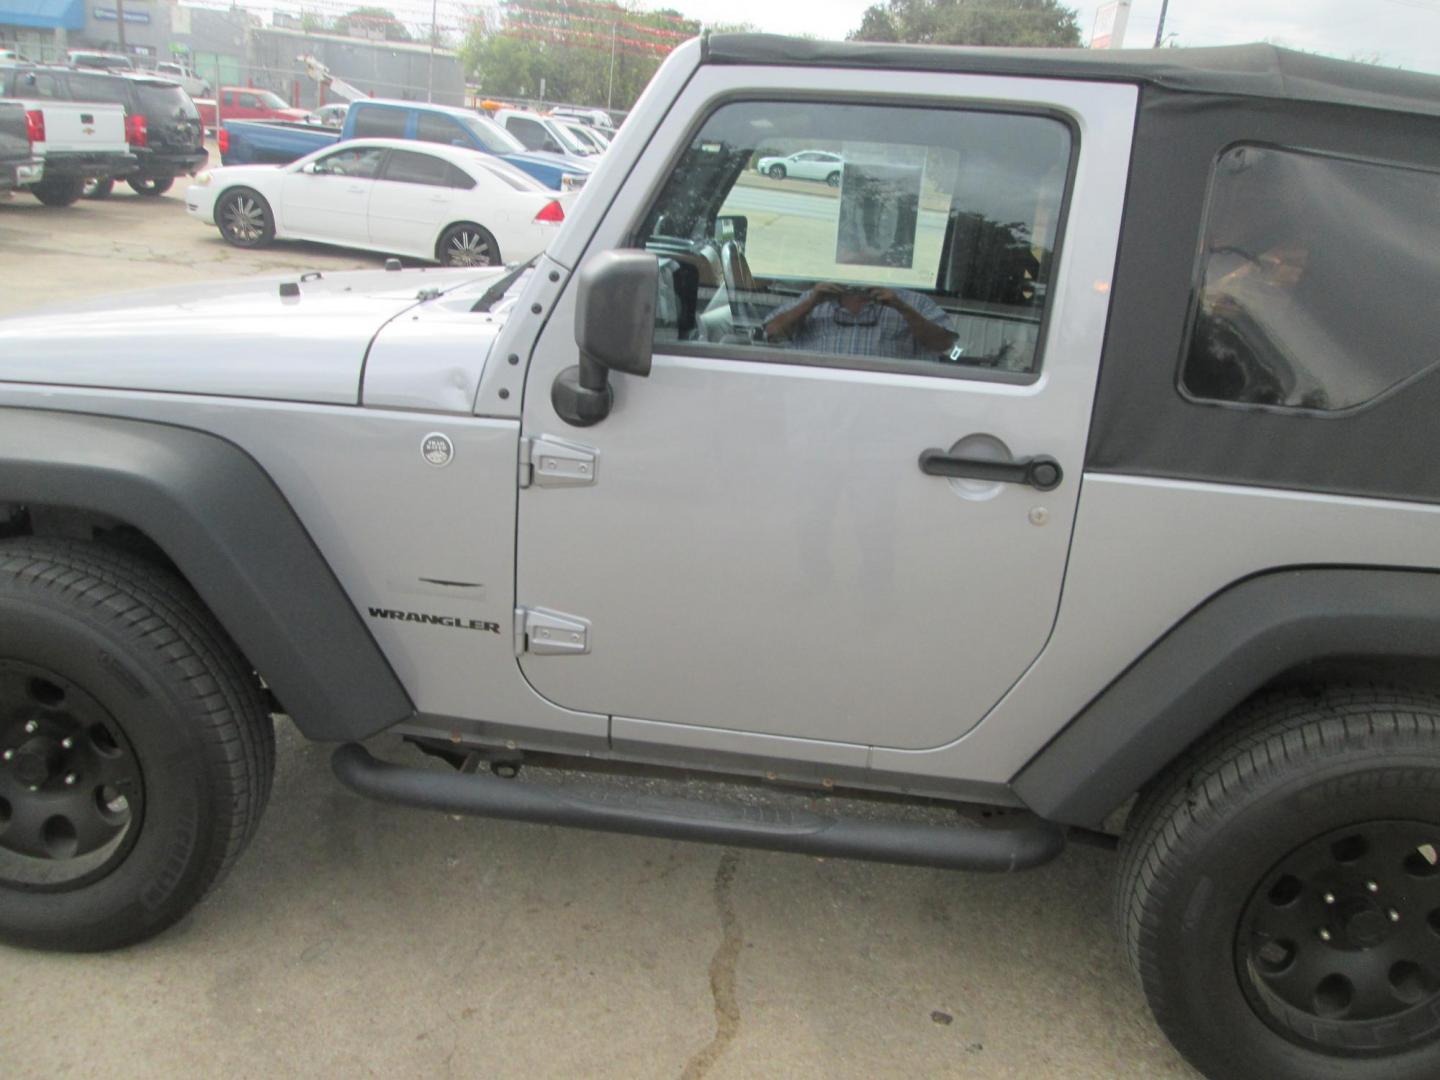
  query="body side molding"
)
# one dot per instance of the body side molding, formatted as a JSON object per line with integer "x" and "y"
{"x": 1227, "y": 648}
{"x": 221, "y": 519}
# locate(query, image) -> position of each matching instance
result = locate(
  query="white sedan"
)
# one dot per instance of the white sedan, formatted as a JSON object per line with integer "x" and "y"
{"x": 446, "y": 204}
{"x": 804, "y": 165}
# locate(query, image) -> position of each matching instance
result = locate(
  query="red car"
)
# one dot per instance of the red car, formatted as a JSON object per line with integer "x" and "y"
{"x": 247, "y": 103}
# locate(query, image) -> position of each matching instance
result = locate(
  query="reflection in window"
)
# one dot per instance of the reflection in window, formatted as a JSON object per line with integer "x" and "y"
{"x": 860, "y": 231}
{"x": 1318, "y": 281}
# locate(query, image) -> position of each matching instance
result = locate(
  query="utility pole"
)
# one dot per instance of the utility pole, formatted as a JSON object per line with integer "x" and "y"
{"x": 120, "y": 22}
{"x": 610, "y": 94}
{"x": 1160, "y": 27}
{"x": 430, "y": 77}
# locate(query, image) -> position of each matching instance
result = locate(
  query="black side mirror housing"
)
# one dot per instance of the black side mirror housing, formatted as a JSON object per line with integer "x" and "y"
{"x": 614, "y": 329}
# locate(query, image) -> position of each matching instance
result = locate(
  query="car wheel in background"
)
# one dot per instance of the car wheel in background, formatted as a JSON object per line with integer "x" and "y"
{"x": 467, "y": 245}
{"x": 99, "y": 189}
{"x": 776, "y": 172}
{"x": 58, "y": 192}
{"x": 833, "y": 179}
{"x": 244, "y": 218}
{"x": 152, "y": 187}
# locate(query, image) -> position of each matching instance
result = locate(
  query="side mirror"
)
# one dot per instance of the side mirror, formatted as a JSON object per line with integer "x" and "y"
{"x": 732, "y": 227}
{"x": 615, "y": 330}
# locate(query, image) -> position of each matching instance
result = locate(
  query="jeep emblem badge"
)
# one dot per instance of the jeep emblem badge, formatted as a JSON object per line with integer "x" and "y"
{"x": 437, "y": 448}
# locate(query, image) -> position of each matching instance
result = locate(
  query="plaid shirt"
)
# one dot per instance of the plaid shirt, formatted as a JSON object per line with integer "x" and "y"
{"x": 874, "y": 330}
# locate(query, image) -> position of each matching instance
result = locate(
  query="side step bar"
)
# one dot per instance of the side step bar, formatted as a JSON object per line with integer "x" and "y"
{"x": 1028, "y": 841}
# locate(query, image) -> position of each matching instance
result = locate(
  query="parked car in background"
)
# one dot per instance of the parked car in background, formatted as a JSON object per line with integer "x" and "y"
{"x": 20, "y": 166}
{"x": 248, "y": 103}
{"x": 332, "y": 115}
{"x": 804, "y": 165}
{"x": 101, "y": 61}
{"x": 440, "y": 203}
{"x": 597, "y": 118}
{"x": 76, "y": 141}
{"x": 162, "y": 126}
{"x": 543, "y": 134}
{"x": 193, "y": 84}
{"x": 590, "y": 136}
{"x": 254, "y": 142}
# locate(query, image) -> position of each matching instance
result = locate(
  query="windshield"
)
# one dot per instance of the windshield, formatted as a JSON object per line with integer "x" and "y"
{"x": 570, "y": 141}
{"x": 270, "y": 99}
{"x": 490, "y": 135}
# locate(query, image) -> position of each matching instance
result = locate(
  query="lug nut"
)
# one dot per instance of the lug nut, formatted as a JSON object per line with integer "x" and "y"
{"x": 1329, "y": 898}
{"x": 70, "y": 779}
{"x": 1371, "y": 887}
{"x": 1324, "y": 935}
{"x": 1394, "y": 915}
{"x": 31, "y": 727}
{"x": 67, "y": 743}
{"x": 9, "y": 755}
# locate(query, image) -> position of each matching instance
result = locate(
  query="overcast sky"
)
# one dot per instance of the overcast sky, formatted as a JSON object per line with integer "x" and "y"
{"x": 1404, "y": 33}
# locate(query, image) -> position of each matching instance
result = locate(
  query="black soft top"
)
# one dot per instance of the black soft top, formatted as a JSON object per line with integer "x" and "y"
{"x": 1262, "y": 71}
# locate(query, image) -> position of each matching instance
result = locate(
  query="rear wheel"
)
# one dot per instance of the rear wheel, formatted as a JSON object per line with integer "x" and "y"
{"x": 833, "y": 179}
{"x": 58, "y": 192}
{"x": 152, "y": 186}
{"x": 467, "y": 244}
{"x": 135, "y": 751}
{"x": 1279, "y": 895}
{"x": 99, "y": 189}
{"x": 244, "y": 218}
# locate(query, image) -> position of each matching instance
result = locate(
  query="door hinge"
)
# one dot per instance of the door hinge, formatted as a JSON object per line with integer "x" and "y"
{"x": 546, "y": 461}
{"x": 550, "y": 633}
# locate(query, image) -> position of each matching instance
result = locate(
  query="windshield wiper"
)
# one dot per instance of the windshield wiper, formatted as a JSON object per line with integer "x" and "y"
{"x": 501, "y": 287}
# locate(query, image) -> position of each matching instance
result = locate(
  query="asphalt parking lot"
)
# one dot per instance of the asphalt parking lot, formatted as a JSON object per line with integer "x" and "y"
{"x": 357, "y": 939}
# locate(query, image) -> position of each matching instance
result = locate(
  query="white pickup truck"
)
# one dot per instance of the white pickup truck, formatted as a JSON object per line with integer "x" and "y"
{"x": 76, "y": 141}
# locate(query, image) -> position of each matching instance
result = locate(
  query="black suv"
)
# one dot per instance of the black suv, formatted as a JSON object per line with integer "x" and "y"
{"x": 161, "y": 123}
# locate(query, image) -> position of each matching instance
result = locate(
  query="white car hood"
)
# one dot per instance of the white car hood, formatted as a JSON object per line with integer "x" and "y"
{"x": 231, "y": 338}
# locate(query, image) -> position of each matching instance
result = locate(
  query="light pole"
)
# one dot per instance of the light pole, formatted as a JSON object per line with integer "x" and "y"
{"x": 610, "y": 94}
{"x": 1160, "y": 27}
{"x": 430, "y": 76}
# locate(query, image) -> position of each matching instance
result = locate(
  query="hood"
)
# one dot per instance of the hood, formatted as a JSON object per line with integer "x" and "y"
{"x": 229, "y": 338}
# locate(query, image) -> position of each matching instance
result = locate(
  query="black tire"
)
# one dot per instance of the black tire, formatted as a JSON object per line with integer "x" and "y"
{"x": 467, "y": 244}
{"x": 833, "y": 179}
{"x": 776, "y": 172}
{"x": 58, "y": 192}
{"x": 99, "y": 189}
{"x": 1279, "y": 890}
{"x": 152, "y": 187}
{"x": 244, "y": 218}
{"x": 116, "y": 681}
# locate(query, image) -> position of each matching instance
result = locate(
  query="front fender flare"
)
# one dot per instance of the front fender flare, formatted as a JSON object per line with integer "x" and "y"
{"x": 223, "y": 522}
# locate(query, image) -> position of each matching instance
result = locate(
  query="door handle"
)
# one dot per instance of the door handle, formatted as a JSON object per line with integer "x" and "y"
{"x": 1041, "y": 472}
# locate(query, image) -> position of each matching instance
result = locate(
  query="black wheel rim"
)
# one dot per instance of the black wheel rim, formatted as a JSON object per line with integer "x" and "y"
{"x": 71, "y": 793}
{"x": 243, "y": 219}
{"x": 1339, "y": 948}
{"x": 468, "y": 247}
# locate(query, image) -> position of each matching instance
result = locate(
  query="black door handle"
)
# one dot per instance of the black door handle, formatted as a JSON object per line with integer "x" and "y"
{"x": 1041, "y": 472}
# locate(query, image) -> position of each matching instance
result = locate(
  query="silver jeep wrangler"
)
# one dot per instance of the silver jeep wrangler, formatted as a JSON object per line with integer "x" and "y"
{"x": 1063, "y": 467}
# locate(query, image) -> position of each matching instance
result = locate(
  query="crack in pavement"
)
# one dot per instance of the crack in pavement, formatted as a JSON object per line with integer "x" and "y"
{"x": 722, "y": 973}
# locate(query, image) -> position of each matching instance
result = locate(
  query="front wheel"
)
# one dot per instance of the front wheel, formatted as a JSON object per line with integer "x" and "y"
{"x": 154, "y": 187}
{"x": 244, "y": 218}
{"x": 135, "y": 751}
{"x": 1279, "y": 896}
{"x": 467, "y": 245}
{"x": 99, "y": 189}
{"x": 777, "y": 172}
{"x": 58, "y": 192}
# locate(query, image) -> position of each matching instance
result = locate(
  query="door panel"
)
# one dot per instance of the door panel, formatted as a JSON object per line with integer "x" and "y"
{"x": 332, "y": 203}
{"x": 761, "y": 551}
{"x": 410, "y": 203}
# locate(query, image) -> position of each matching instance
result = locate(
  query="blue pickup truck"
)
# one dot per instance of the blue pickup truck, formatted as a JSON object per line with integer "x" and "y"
{"x": 278, "y": 142}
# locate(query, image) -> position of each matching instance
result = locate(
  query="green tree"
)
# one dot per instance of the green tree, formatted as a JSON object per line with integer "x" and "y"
{"x": 370, "y": 22}
{"x": 970, "y": 22}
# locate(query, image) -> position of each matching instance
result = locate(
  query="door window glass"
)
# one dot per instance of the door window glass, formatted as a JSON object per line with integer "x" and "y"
{"x": 1318, "y": 281}
{"x": 362, "y": 163}
{"x": 911, "y": 236}
{"x": 407, "y": 167}
{"x": 531, "y": 135}
{"x": 111, "y": 88}
{"x": 249, "y": 101}
{"x": 378, "y": 122}
{"x": 438, "y": 129}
